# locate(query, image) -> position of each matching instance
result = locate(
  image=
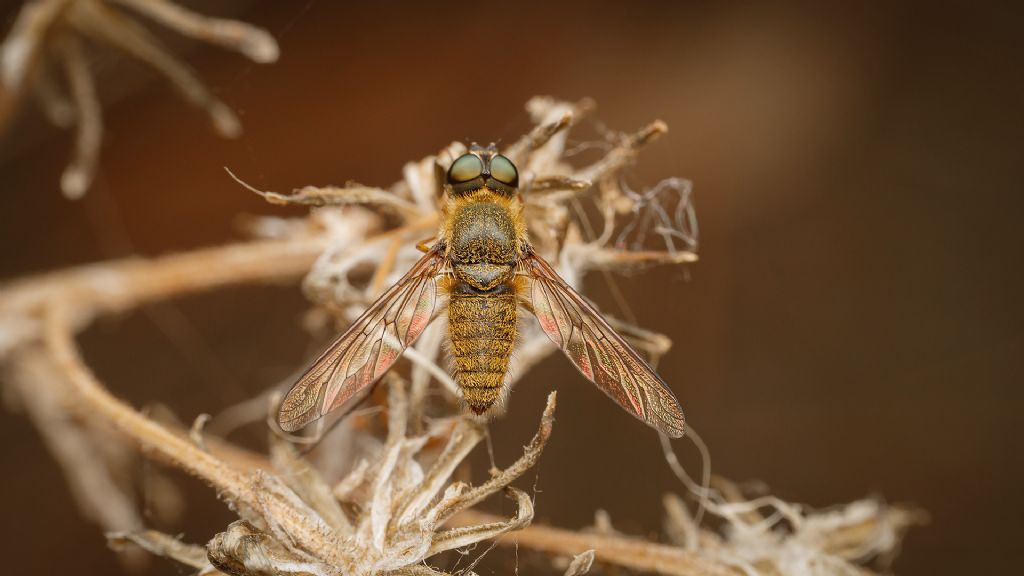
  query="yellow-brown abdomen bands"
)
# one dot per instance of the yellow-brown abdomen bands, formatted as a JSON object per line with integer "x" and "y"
{"x": 482, "y": 329}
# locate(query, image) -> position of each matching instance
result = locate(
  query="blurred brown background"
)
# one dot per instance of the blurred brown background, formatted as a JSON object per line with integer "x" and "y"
{"x": 853, "y": 326}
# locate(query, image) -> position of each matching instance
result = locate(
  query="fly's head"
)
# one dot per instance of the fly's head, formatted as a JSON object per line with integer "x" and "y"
{"x": 483, "y": 168}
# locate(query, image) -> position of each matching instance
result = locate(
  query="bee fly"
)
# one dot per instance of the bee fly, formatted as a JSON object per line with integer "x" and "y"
{"x": 485, "y": 268}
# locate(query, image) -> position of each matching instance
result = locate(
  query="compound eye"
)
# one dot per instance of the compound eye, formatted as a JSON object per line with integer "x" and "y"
{"x": 504, "y": 171}
{"x": 465, "y": 168}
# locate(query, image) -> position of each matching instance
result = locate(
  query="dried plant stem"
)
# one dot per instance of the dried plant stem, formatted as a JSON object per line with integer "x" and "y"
{"x": 25, "y": 48}
{"x": 599, "y": 258}
{"x": 531, "y": 454}
{"x": 67, "y": 301}
{"x": 41, "y": 388}
{"x": 109, "y": 26}
{"x": 248, "y": 491}
{"x": 163, "y": 545}
{"x": 120, "y": 285}
{"x": 254, "y": 43}
{"x": 52, "y": 30}
{"x": 351, "y": 195}
{"x": 78, "y": 175}
{"x": 152, "y": 437}
{"x": 387, "y": 264}
{"x": 612, "y": 549}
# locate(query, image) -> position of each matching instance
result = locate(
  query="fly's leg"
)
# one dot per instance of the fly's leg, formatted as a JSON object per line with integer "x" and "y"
{"x": 424, "y": 245}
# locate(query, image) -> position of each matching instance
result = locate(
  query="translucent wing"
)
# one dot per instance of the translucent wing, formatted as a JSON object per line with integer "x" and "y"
{"x": 361, "y": 355}
{"x": 599, "y": 352}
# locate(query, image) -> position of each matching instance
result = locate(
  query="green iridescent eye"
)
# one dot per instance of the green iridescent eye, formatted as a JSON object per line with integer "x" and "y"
{"x": 465, "y": 168}
{"x": 503, "y": 170}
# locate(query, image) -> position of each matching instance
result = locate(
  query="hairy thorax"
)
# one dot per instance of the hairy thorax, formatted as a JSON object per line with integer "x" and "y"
{"x": 483, "y": 238}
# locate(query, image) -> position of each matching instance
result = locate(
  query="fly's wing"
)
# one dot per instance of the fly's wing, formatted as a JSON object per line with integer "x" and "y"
{"x": 361, "y": 355}
{"x": 599, "y": 352}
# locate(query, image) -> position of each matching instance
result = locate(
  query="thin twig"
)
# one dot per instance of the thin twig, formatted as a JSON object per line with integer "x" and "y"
{"x": 255, "y": 43}
{"x": 79, "y": 174}
{"x": 618, "y": 550}
{"x": 120, "y": 285}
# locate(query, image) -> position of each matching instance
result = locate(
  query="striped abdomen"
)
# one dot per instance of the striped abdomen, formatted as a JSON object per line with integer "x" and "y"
{"x": 482, "y": 327}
